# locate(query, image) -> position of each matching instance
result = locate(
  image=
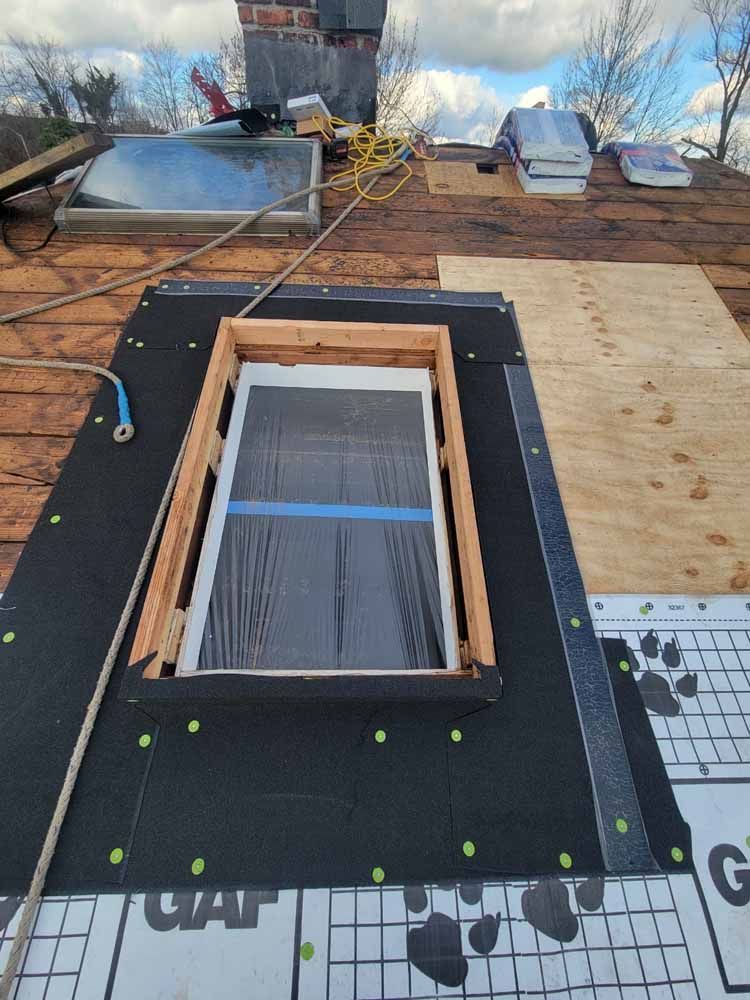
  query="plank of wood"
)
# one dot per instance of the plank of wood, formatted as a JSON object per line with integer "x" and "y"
{"x": 737, "y": 300}
{"x": 594, "y": 313}
{"x": 53, "y": 161}
{"x": 171, "y": 559}
{"x": 478, "y": 621}
{"x": 464, "y": 178}
{"x": 32, "y": 459}
{"x": 20, "y": 506}
{"x": 112, "y": 261}
{"x": 45, "y": 380}
{"x": 44, "y": 415}
{"x": 726, "y": 276}
{"x": 66, "y": 280}
{"x": 10, "y": 553}
{"x": 59, "y": 340}
{"x": 653, "y": 475}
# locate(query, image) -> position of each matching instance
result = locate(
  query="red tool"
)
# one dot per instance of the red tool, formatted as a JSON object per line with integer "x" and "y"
{"x": 212, "y": 92}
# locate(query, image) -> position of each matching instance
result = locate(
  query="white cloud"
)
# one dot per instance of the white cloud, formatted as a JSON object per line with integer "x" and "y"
{"x": 532, "y": 96}
{"x": 509, "y": 35}
{"x": 121, "y": 26}
{"x": 705, "y": 99}
{"x": 469, "y": 109}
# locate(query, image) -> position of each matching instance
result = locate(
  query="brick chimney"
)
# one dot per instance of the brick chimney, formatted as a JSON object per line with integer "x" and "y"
{"x": 296, "y": 47}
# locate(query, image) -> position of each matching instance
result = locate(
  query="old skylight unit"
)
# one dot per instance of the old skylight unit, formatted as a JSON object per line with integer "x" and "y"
{"x": 180, "y": 184}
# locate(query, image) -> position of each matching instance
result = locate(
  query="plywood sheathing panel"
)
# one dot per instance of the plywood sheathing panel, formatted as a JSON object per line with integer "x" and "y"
{"x": 593, "y": 312}
{"x": 464, "y": 178}
{"x": 646, "y": 435}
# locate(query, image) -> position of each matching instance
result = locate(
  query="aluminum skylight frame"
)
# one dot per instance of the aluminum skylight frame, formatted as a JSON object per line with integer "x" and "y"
{"x": 210, "y": 222}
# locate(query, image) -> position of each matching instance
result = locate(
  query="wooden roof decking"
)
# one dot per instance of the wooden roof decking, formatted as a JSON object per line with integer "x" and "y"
{"x": 396, "y": 243}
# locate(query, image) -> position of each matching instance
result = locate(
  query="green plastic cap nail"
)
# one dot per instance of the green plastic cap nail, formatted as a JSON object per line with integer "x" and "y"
{"x": 192, "y": 344}
{"x": 624, "y": 666}
{"x": 9, "y": 637}
{"x": 55, "y": 519}
{"x": 565, "y": 860}
{"x": 575, "y": 622}
{"x": 471, "y": 355}
{"x": 677, "y": 854}
{"x": 469, "y": 848}
{"x": 534, "y": 451}
{"x": 98, "y": 420}
{"x": 144, "y": 741}
{"x": 198, "y": 866}
{"x": 456, "y": 735}
{"x": 306, "y": 951}
{"x": 116, "y": 855}
{"x": 378, "y": 875}
{"x": 139, "y": 343}
{"x": 643, "y": 609}
{"x": 621, "y": 825}
{"x": 380, "y": 736}
{"x": 193, "y": 726}
{"x": 519, "y": 354}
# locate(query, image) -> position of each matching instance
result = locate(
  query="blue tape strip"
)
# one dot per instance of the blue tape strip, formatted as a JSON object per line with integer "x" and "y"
{"x": 264, "y": 507}
{"x": 123, "y": 405}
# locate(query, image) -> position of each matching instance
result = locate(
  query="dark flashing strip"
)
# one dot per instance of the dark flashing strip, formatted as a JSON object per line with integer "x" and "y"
{"x": 421, "y": 296}
{"x": 612, "y": 780}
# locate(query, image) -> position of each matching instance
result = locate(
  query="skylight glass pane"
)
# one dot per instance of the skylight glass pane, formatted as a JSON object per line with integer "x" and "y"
{"x": 327, "y": 558}
{"x": 203, "y": 175}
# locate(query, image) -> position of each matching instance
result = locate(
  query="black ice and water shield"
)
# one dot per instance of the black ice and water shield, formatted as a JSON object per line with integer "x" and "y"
{"x": 275, "y": 793}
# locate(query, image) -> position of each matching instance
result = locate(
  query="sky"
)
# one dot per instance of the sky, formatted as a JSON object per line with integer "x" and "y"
{"x": 478, "y": 54}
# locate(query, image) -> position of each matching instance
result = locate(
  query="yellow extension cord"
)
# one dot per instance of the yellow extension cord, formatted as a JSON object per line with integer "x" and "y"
{"x": 369, "y": 146}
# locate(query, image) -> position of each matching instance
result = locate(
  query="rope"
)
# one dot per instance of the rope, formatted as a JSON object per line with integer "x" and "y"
{"x": 63, "y": 800}
{"x": 125, "y": 429}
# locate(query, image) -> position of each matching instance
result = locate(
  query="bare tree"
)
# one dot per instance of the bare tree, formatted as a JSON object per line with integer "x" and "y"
{"x": 164, "y": 87}
{"x": 626, "y": 75}
{"x": 406, "y": 99}
{"x": 721, "y": 133}
{"x": 38, "y": 72}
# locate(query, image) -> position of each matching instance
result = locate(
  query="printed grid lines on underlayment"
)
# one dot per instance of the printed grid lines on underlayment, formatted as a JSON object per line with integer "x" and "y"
{"x": 701, "y": 713}
{"x": 632, "y": 945}
{"x": 52, "y": 963}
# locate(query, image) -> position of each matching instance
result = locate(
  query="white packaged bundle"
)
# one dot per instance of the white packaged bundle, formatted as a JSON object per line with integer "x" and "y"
{"x": 541, "y": 176}
{"x": 542, "y": 134}
{"x": 651, "y": 163}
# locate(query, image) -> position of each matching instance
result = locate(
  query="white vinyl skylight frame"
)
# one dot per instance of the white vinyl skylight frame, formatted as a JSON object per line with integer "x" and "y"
{"x": 114, "y": 176}
{"x": 318, "y": 377}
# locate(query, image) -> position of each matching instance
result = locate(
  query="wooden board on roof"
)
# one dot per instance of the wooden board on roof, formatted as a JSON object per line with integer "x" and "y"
{"x": 642, "y": 379}
{"x": 53, "y": 161}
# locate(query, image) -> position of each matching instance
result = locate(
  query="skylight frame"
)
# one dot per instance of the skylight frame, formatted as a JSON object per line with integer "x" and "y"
{"x": 291, "y": 342}
{"x": 210, "y": 222}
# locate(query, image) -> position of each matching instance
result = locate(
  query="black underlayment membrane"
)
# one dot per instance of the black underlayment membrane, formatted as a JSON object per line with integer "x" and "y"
{"x": 283, "y": 793}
